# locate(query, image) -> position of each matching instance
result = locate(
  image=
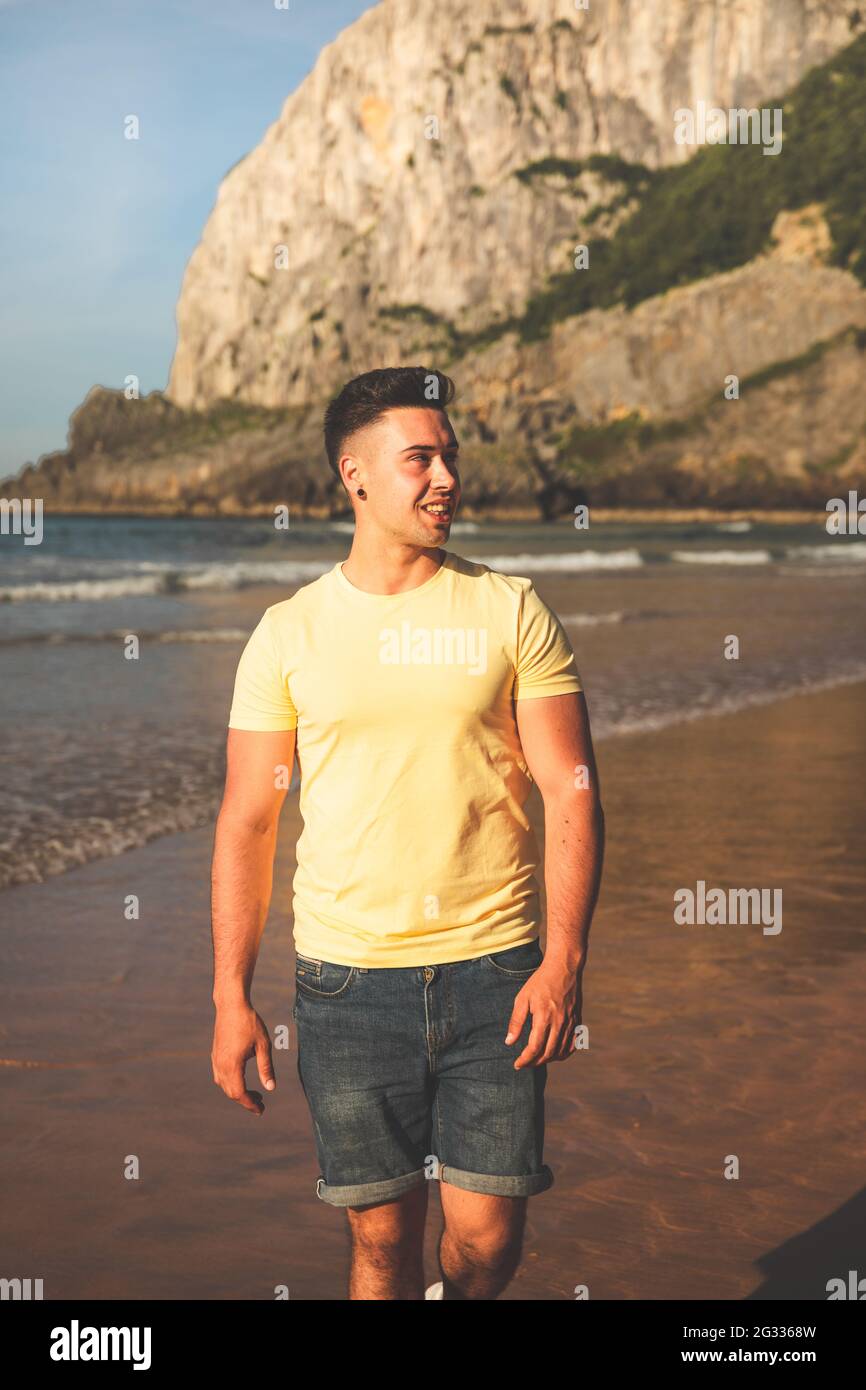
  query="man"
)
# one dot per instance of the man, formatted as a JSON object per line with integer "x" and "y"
{"x": 426, "y": 693}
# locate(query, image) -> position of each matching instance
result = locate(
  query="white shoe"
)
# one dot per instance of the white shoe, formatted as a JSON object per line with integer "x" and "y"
{"x": 435, "y": 1291}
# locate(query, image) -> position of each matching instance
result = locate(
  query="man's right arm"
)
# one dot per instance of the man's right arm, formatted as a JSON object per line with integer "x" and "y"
{"x": 258, "y": 770}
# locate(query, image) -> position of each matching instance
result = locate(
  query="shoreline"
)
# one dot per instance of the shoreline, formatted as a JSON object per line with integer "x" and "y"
{"x": 602, "y": 516}
{"x": 659, "y": 723}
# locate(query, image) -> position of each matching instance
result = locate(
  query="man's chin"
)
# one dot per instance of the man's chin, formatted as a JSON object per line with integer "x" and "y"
{"x": 433, "y": 527}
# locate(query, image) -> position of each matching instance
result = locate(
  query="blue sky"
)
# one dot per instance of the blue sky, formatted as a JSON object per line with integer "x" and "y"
{"x": 96, "y": 230}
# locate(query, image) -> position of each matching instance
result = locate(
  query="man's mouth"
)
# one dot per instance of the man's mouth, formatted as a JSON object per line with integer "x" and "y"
{"x": 440, "y": 510}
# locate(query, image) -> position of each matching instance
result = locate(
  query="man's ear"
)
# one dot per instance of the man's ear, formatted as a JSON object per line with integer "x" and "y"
{"x": 346, "y": 474}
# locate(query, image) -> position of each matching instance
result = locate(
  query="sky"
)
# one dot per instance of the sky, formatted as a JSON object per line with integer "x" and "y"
{"x": 95, "y": 229}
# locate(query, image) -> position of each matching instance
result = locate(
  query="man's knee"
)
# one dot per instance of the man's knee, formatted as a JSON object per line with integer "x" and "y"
{"x": 496, "y": 1249}
{"x": 487, "y": 1233}
{"x": 388, "y": 1228}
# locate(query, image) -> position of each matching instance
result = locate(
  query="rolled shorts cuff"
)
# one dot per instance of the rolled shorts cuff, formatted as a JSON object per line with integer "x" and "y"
{"x": 497, "y": 1185}
{"x": 361, "y": 1193}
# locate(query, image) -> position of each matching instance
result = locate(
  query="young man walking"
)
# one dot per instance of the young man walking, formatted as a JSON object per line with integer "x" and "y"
{"x": 422, "y": 695}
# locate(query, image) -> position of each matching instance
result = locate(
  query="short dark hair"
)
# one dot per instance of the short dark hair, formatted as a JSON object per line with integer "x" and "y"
{"x": 365, "y": 398}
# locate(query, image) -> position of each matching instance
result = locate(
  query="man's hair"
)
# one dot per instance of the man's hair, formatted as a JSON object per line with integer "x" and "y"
{"x": 365, "y": 398}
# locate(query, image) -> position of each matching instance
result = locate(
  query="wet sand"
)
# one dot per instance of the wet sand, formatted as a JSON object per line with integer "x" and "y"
{"x": 705, "y": 1041}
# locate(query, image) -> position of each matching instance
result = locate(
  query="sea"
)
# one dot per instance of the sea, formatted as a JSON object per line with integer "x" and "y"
{"x": 101, "y": 754}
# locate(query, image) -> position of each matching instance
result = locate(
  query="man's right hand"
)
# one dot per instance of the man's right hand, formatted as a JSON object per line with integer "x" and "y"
{"x": 239, "y": 1033}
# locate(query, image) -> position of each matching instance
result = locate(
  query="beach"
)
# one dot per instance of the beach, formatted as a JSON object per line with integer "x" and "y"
{"x": 705, "y": 1042}
{"x": 643, "y": 447}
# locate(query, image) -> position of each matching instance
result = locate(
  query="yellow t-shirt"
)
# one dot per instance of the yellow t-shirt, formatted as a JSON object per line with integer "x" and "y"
{"x": 415, "y": 849}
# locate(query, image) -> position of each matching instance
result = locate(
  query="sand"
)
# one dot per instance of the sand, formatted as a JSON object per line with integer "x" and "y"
{"x": 705, "y": 1042}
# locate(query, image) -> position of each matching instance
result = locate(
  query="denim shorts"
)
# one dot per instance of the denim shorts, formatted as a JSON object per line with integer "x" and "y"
{"x": 408, "y": 1077}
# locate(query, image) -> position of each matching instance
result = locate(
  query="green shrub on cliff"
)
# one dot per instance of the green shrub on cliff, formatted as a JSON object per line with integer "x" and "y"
{"x": 717, "y": 210}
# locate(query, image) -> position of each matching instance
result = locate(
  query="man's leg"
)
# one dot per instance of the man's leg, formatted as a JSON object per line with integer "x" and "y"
{"x": 388, "y": 1247}
{"x": 488, "y": 1120}
{"x": 480, "y": 1246}
{"x": 362, "y": 1063}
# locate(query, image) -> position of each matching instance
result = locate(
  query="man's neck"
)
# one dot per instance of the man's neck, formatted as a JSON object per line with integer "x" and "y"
{"x": 379, "y": 571}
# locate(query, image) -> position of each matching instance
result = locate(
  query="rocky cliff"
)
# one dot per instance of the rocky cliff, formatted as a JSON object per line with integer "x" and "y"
{"x": 336, "y": 241}
{"x": 349, "y": 239}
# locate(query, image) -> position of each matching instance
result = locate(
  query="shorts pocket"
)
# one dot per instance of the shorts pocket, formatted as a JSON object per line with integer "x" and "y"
{"x": 517, "y": 961}
{"x": 322, "y": 979}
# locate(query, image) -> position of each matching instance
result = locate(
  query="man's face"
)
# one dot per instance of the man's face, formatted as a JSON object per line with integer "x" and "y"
{"x": 407, "y": 464}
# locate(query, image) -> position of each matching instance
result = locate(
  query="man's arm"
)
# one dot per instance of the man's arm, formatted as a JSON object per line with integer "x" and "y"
{"x": 242, "y": 877}
{"x": 557, "y": 745}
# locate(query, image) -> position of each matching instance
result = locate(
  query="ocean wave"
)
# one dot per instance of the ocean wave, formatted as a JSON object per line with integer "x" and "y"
{"x": 572, "y": 561}
{"x": 167, "y": 579}
{"x": 833, "y": 553}
{"x": 205, "y": 634}
{"x": 722, "y": 557}
{"x": 144, "y": 578}
{"x": 153, "y": 579}
{"x": 724, "y": 704}
{"x": 634, "y": 615}
{"x": 59, "y": 639}
{"x": 72, "y": 590}
{"x": 28, "y": 860}
{"x": 591, "y": 619}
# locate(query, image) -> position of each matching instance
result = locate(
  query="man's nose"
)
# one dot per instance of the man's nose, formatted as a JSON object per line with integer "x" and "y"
{"x": 444, "y": 475}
